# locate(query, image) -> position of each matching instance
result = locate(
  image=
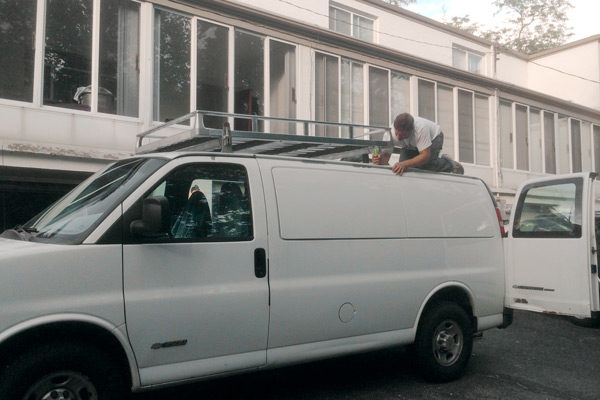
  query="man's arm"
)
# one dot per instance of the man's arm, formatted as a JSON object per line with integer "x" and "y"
{"x": 420, "y": 159}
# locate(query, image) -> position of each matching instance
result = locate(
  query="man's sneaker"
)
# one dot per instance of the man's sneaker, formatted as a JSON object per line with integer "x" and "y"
{"x": 457, "y": 167}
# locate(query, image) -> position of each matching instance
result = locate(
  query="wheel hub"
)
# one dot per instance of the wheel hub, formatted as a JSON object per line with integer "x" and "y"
{"x": 59, "y": 394}
{"x": 447, "y": 342}
{"x": 64, "y": 385}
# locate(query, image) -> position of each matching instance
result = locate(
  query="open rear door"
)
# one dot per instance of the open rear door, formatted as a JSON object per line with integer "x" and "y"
{"x": 550, "y": 249}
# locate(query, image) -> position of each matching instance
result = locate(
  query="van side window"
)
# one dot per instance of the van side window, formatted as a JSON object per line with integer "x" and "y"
{"x": 550, "y": 211}
{"x": 207, "y": 202}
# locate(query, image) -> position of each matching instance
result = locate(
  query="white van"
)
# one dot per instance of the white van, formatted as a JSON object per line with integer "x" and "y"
{"x": 171, "y": 267}
{"x": 167, "y": 268}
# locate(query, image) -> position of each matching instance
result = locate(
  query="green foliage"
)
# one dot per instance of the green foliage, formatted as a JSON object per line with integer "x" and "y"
{"x": 530, "y": 25}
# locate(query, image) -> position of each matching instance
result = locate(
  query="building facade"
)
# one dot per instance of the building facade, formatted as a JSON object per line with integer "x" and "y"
{"x": 79, "y": 79}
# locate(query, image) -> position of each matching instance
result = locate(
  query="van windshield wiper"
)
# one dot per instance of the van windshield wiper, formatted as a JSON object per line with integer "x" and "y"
{"x": 19, "y": 232}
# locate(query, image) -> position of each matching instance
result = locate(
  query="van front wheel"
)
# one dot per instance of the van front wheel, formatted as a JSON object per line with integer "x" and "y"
{"x": 62, "y": 371}
{"x": 444, "y": 342}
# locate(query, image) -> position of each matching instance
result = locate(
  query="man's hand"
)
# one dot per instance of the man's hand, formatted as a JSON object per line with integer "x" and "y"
{"x": 398, "y": 168}
{"x": 381, "y": 159}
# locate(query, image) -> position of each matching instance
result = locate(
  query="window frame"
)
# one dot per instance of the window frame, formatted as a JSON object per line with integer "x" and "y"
{"x": 467, "y": 54}
{"x": 353, "y": 14}
{"x": 135, "y": 210}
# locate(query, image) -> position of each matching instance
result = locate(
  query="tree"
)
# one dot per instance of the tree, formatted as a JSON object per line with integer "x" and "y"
{"x": 531, "y": 25}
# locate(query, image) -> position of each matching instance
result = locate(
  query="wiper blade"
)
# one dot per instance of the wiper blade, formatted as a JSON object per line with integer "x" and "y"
{"x": 28, "y": 229}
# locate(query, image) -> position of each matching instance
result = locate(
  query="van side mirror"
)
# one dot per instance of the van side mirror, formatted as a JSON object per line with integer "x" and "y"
{"x": 155, "y": 218}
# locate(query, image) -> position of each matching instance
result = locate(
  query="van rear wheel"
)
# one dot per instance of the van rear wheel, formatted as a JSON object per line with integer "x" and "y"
{"x": 444, "y": 342}
{"x": 62, "y": 371}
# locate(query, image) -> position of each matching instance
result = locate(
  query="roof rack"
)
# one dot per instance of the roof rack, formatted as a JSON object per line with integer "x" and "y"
{"x": 303, "y": 138}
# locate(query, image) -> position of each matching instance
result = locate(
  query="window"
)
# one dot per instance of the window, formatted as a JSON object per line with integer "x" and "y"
{"x": 445, "y": 117}
{"x": 172, "y": 47}
{"x": 586, "y": 147}
{"x": 249, "y": 78}
{"x": 549, "y": 143}
{"x": 68, "y": 54}
{"x": 427, "y": 99}
{"x": 535, "y": 132}
{"x": 506, "y": 135}
{"x": 212, "y": 74}
{"x": 400, "y": 94}
{"x": 482, "y": 130}
{"x": 465, "y": 126}
{"x": 207, "y": 202}
{"x": 326, "y": 93}
{"x": 353, "y": 93}
{"x": 119, "y": 57}
{"x": 562, "y": 144}
{"x": 379, "y": 96}
{"x": 550, "y": 211}
{"x": 282, "y": 84}
{"x": 17, "y": 35}
{"x": 521, "y": 126}
{"x": 467, "y": 60}
{"x": 351, "y": 24}
{"x": 575, "y": 145}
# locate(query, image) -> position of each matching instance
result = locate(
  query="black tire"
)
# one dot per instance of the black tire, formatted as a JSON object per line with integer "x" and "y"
{"x": 85, "y": 371}
{"x": 585, "y": 322}
{"x": 444, "y": 342}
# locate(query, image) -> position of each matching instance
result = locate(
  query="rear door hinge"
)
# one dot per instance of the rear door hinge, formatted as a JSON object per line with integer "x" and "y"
{"x": 594, "y": 269}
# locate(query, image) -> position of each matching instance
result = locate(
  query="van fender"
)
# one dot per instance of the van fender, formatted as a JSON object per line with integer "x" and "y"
{"x": 118, "y": 332}
{"x": 438, "y": 289}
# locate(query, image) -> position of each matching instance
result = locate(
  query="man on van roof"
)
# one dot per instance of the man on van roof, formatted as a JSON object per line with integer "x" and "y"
{"x": 421, "y": 141}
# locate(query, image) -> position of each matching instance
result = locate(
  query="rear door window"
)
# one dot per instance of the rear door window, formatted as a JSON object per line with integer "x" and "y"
{"x": 550, "y": 210}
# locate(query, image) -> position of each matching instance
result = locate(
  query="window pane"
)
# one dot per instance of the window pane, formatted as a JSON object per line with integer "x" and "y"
{"x": 68, "y": 54}
{"x": 326, "y": 93}
{"x": 208, "y": 202}
{"x": 363, "y": 28}
{"x": 459, "y": 59}
{"x": 596, "y": 134}
{"x": 379, "y": 113}
{"x": 445, "y": 118}
{"x": 171, "y": 65}
{"x": 522, "y": 140}
{"x": 352, "y": 95}
{"x": 586, "y": 147}
{"x": 474, "y": 63}
{"x": 212, "y": 75}
{"x": 562, "y": 143}
{"x": 576, "y": 145}
{"x": 549, "y": 143}
{"x": 249, "y": 78}
{"x": 550, "y": 211}
{"x": 465, "y": 126}
{"x": 427, "y": 100}
{"x": 119, "y": 54}
{"x": 400, "y": 94}
{"x": 17, "y": 35}
{"x": 535, "y": 134}
{"x": 339, "y": 21}
{"x": 506, "y": 135}
{"x": 282, "y": 85}
{"x": 482, "y": 130}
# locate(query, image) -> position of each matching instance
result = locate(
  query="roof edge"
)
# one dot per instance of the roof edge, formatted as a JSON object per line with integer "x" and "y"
{"x": 580, "y": 42}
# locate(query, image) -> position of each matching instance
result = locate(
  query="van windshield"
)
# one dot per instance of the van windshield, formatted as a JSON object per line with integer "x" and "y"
{"x": 75, "y": 215}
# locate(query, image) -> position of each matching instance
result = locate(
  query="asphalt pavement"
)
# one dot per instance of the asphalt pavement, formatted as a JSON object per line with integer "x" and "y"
{"x": 537, "y": 357}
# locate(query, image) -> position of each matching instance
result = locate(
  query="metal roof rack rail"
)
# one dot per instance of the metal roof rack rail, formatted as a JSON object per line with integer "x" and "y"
{"x": 255, "y": 134}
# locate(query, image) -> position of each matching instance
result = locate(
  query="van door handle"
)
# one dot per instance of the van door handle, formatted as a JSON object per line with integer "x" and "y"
{"x": 260, "y": 263}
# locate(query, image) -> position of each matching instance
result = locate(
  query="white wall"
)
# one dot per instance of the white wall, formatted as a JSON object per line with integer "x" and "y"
{"x": 583, "y": 61}
{"x": 512, "y": 69}
{"x": 49, "y": 136}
